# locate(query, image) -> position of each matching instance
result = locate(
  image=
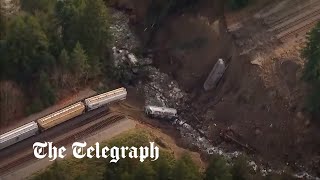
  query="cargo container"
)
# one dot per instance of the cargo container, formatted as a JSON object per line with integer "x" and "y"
{"x": 105, "y": 98}
{"x": 61, "y": 116}
{"x": 161, "y": 112}
{"x": 18, "y": 134}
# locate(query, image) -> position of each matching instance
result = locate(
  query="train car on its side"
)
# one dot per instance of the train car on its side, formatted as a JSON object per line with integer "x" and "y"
{"x": 18, "y": 134}
{"x": 61, "y": 116}
{"x": 215, "y": 75}
{"x": 105, "y": 98}
{"x": 161, "y": 112}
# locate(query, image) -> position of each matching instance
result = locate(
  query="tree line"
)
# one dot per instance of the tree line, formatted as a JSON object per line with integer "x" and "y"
{"x": 52, "y": 45}
{"x": 166, "y": 168}
{"x": 311, "y": 74}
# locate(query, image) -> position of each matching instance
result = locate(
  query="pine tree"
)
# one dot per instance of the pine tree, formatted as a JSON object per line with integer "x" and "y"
{"x": 185, "y": 169}
{"x": 79, "y": 62}
{"x": 312, "y": 53}
{"x": 218, "y": 170}
{"x": 64, "y": 60}
{"x": 27, "y": 49}
{"x": 47, "y": 93}
{"x": 95, "y": 30}
{"x": 144, "y": 172}
{"x": 2, "y": 26}
{"x": 311, "y": 75}
{"x": 163, "y": 169}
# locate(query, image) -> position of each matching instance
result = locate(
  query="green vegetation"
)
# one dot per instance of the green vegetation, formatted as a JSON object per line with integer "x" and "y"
{"x": 124, "y": 169}
{"x": 166, "y": 167}
{"x": 53, "y": 44}
{"x": 2, "y": 26}
{"x": 218, "y": 169}
{"x": 237, "y": 4}
{"x": 312, "y": 69}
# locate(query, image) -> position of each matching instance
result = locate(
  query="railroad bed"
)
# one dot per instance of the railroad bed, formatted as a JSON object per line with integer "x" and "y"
{"x": 297, "y": 19}
{"x": 70, "y": 138}
{"x": 67, "y": 126}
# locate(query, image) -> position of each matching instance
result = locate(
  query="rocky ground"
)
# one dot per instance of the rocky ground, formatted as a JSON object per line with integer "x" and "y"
{"x": 162, "y": 89}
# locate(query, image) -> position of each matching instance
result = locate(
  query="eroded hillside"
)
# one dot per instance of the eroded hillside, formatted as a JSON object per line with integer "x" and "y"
{"x": 259, "y": 104}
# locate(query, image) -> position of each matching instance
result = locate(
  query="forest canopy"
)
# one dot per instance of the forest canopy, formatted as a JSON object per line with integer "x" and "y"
{"x": 52, "y": 45}
{"x": 166, "y": 167}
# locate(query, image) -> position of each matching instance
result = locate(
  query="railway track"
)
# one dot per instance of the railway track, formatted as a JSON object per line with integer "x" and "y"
{"x": 68, "y": 126}
{"x": 295, "y": 12}
{"x": 298, "y": 31}
{"x": 129, "y": 107}
{"x": 297, "y": 21}
{"x": 72, "y": 138}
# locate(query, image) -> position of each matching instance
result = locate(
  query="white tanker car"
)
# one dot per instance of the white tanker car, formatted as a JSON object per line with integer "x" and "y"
{"x": 161, "y": 112}
{"x": 28, "y": 130}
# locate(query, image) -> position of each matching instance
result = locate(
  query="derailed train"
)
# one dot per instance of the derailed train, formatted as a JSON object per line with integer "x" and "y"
{"x": 161, "y": 112}
{"x": 30, "y": 129}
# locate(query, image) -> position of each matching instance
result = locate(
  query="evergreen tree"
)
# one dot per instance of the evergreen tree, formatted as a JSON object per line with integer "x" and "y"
{"x": 95, "y": 25}
{"x": 51, "y": 28}
{"x": 27, "y": 49}
{"x": 185, "y": 169}
{"x": 54, "y": 173}
{"x": 238, "y": 4}
{"x": 69, "y": 14}
{"x": 312, "y": 53}
{"x": 79, "y": 62}
{"x": 126, "y": 176}
{"x": 64, "y": 60}
{"x": 218, "y": 170}
{"x": 2, "y": 26}
{"x": 86, "y": 22}
{"x": 124, "y": 169}
{"x": 144, "y": 172}
{"x": 47, "y": 94}
{"x": 312, "y": 68}
{"x": 3, "y": 60}
{"x": 163, "y": 169}
{"x": 32, "y": 6}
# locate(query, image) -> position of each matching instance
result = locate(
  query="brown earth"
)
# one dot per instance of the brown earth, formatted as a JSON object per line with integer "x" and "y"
{"x": 193, "y": 57}
{"x": 261, "y": 96}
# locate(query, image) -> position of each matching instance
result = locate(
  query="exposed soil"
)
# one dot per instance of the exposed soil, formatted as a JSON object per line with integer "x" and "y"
{"x": 261, "y": 96}
{"x": 259, "y": 101}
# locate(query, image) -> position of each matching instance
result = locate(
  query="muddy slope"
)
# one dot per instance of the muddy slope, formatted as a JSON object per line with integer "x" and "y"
{"x": 258, "y": 116}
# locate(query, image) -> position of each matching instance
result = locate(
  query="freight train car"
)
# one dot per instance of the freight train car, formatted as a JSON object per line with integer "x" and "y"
{"x": 161, "y": 112}
{"x": 18, "y": 134}
{"x": 105, "y": 98}
{"x": 61, "y": 116}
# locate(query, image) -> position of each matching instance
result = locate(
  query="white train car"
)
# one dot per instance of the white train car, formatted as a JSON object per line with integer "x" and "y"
{"x": 18, "y": 134}
{"x": 161, "y": 112}
{"x": 105, "y": 98}
{"x": 215, "y": 75}
{"x": 61, "y": 116}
